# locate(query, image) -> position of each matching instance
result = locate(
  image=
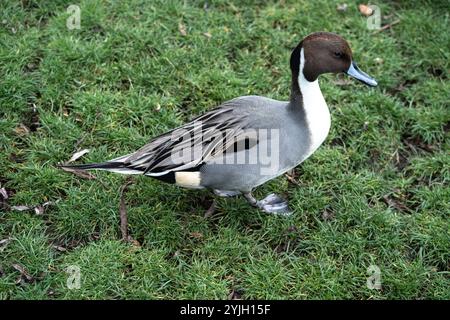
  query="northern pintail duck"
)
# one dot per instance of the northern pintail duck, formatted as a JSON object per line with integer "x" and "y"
{"x": 249, "y": 140}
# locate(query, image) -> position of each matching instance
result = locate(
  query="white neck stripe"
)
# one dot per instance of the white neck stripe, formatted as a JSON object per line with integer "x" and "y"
{"x": 316, "y": 109}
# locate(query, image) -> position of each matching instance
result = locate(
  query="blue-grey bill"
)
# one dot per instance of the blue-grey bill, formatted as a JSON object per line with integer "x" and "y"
{"x": 354, "y": 72}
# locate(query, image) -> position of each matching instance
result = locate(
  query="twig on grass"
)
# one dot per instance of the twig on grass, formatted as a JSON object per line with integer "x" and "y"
{"x": 80, "y": 173}
{"x": 387, "y": 26}
{"x": 123, "y": 214}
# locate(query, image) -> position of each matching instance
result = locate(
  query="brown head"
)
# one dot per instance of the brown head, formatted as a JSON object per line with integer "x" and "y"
{"x": 325, "y": 52}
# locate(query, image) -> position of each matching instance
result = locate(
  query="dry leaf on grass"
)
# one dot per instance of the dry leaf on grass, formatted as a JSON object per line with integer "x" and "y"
{"x": 196, "y": 235}
{"x": 4, "y": 243}
{"x": 365, "y": 10}
{"x": 50, "y": 203}
{"x": 22, "y": 129}
{"x": 182, "y": 29}
{"x": 78, "y": 155}
{"x": 59, "y": 248}
{"x": 20, "y": 208}
{"x": 4, "y": 193}
{"x": 39, "y": 209}
{"x": 23, "y": 273}
{"x": 134, "y": 242}
{"x": 207, "y": 34}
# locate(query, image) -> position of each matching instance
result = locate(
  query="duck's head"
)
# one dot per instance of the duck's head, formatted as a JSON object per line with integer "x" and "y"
{"x": 325, "y": 52}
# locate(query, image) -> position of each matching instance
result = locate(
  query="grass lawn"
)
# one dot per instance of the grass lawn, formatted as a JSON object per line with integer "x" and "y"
{"x": 375, "y": 194}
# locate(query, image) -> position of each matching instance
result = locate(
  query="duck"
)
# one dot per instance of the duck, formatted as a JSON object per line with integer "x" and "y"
{"x": 249, "y": 140}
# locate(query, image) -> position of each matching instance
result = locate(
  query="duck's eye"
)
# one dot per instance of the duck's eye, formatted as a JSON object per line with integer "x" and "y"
{"x": 337, "y": 54}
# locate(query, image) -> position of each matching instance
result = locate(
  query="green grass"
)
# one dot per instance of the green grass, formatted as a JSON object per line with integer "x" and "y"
{"x": 376, "y": 193}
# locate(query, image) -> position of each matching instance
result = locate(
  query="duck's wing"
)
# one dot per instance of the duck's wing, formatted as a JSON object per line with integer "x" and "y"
{"x": 184, "y": 148}
{"x": 190, "y": 145}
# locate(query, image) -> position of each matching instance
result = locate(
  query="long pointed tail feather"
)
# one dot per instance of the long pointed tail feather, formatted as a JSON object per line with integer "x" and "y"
{"x": 112, "y": 166}
{"x": 100, "y": 165}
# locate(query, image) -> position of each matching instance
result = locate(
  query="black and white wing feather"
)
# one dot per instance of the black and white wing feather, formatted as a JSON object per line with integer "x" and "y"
{"x": 185, "y": 148}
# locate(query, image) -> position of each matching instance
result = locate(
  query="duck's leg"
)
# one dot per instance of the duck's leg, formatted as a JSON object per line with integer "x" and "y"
{"x": 210, "y": 210}
{"x": 220, "y": 193}
{"x": 270, "y": 204}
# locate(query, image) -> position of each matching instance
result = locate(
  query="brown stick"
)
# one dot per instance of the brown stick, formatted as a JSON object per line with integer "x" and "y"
{"x": 387, "y": 26}
{"x": 123, "y": 211}
{"x": 79, "y": 173}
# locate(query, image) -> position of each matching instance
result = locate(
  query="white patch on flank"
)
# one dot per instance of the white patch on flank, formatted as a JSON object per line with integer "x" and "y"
{"x": 317, "y": 114}
{"x": 188, "y": 179}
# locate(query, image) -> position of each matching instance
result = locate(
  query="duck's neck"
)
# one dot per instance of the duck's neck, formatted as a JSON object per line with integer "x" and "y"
{"x": 307, "y": 98}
